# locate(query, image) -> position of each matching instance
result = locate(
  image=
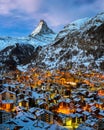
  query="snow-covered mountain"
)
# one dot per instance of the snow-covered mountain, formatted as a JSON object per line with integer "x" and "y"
{"x": 20, "y": 50}
{"x": 42, "y": 35}
{"x": 42, "y": 29}
{"x": 79, "y": 45}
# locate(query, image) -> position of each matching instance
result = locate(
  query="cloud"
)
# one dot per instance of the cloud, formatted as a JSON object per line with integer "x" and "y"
{"x": 7, "y": 7}
{"x": 61, "y": 12}
{"x": 25, "y": 14}
{"x": 99, "y": 5}
{"x": 55, "y": 11}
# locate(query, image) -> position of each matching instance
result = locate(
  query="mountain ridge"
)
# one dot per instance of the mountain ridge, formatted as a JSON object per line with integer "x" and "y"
{"x": 79, "y": 45}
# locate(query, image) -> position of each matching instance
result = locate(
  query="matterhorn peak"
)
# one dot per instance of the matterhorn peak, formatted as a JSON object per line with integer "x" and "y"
{"x": 42, "y": 28}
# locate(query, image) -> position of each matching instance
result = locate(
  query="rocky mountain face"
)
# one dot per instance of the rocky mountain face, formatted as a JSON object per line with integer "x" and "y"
{"x": 42, "y": 29}
{"x": 11, "y": 56}
{"x": 80, "y": 45}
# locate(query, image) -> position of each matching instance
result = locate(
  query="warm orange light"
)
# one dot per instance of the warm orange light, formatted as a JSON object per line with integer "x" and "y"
{"x": 63, "y": 109}
{"x": 101, "y": 92}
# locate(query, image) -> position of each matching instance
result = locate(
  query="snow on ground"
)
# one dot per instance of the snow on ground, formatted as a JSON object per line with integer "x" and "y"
{"x": 36, "y": 41}
{"x": 72, "y": 27}
{"x": 98, "y": 61}
{"x": 22, "y": 68}
{"x": 37, "y": 95}
{"x": 78, "y": 24}
{"x": 81, "y": 25}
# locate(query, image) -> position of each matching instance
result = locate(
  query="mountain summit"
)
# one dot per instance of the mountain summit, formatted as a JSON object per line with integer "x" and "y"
{"x": 42, "y": 28}
{"x": 42, "y": 35}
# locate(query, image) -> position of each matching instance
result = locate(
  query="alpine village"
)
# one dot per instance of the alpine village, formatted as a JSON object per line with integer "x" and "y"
{"x": 52, "y": 81}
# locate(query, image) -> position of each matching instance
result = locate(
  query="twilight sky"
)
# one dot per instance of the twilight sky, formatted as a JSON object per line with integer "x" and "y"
{"x": 20, "y": 17}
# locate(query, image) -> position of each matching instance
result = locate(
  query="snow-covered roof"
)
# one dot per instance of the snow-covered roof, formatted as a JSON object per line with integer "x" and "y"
{"x": 91, "y": 122}
{"x": 42, "y": 111}
{"x": 86, "y": 113}
{"x": 27, "y": 122}
{"x": 34, "y": 109}
{"x": 101, "y": 113}
{"x": 7, "y": 85}
{"x": 4, "y": 91}
{"x": 37, "y": 95}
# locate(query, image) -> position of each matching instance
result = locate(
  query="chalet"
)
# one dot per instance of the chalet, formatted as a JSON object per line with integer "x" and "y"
{"x": 45, "y": 115}
{"x": 43, "y": 105}
{"x": 8, "y": 100}
{"x": 70, "y": 121}
{"x": 86, "y": 114}
{"x": 24, "y": 103}
{"x": 33, "y": 110}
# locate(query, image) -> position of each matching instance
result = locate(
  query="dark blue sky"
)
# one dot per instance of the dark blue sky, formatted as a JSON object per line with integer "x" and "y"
{"x": 20, "y": 17}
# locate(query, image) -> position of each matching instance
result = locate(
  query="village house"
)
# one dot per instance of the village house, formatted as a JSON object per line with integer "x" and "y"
{"x": 45, "y": 115}
{"x": 7, "y": 100}
{"x": 70, "y": 121}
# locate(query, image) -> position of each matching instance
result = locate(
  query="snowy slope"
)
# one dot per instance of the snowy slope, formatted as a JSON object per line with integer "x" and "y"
{"x": 80, "y": 45}
{"x": 73, "y": 27}
{"x": 81, "y": 25}
{"x": 38, "y": 40}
